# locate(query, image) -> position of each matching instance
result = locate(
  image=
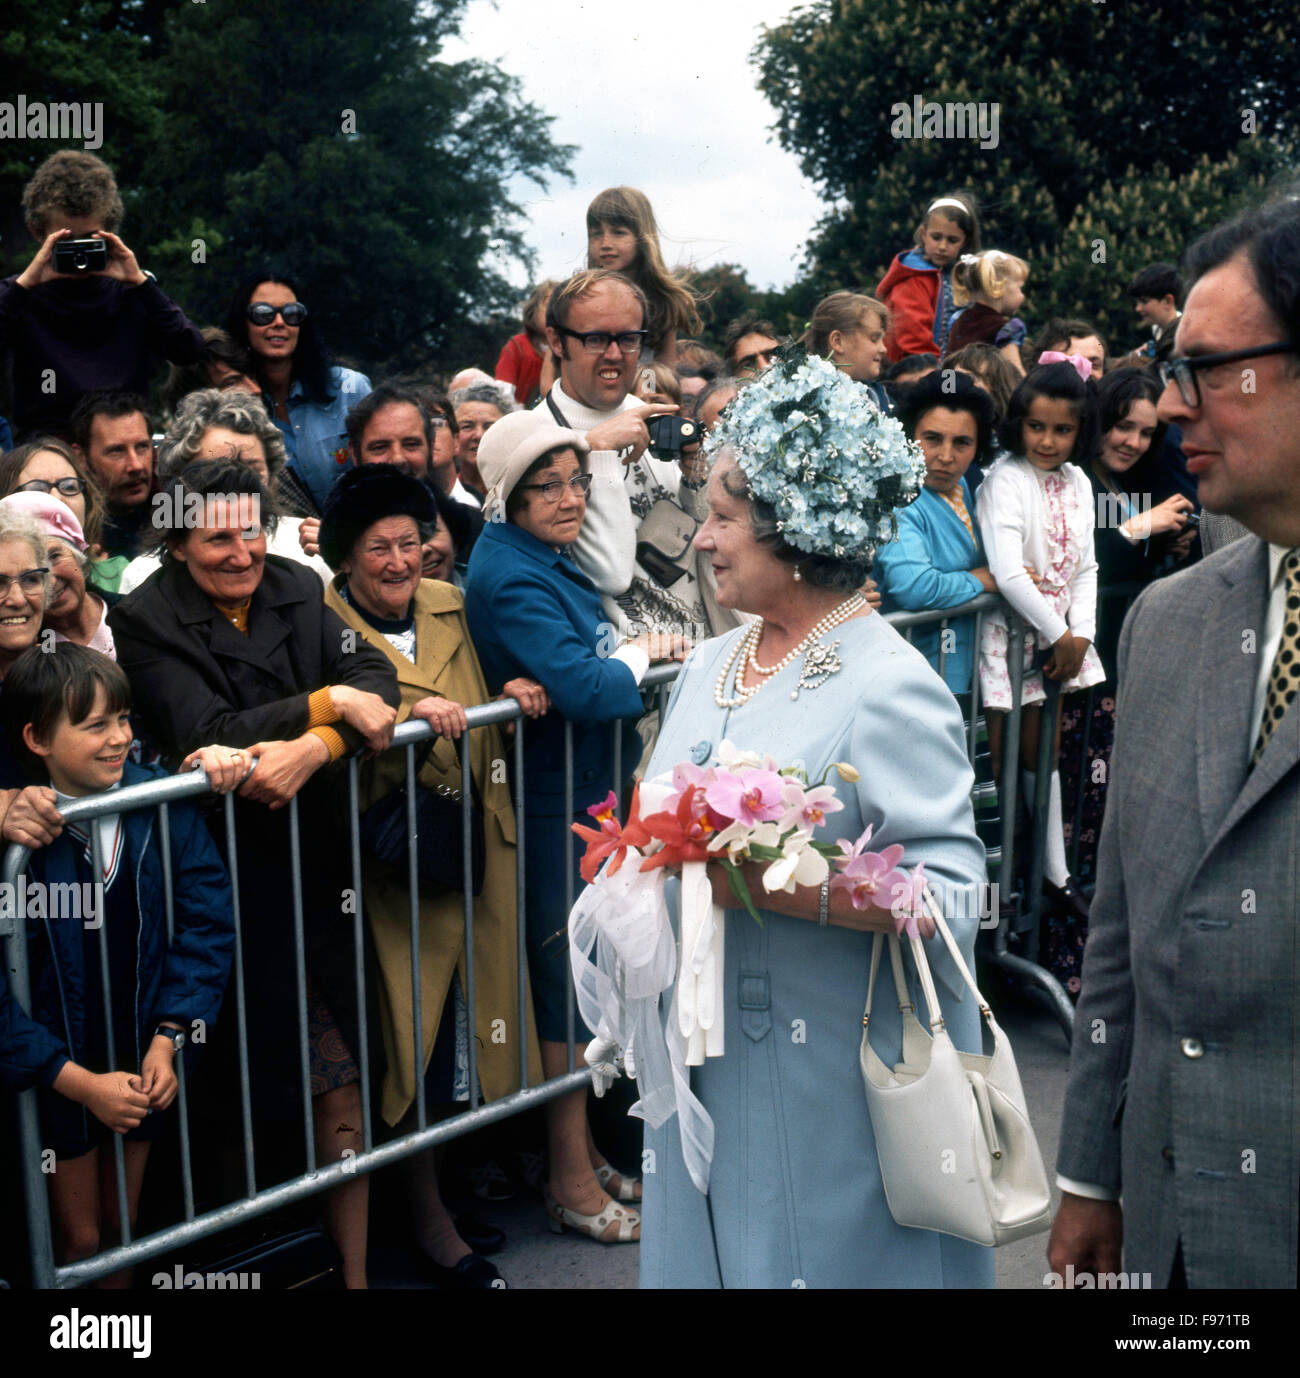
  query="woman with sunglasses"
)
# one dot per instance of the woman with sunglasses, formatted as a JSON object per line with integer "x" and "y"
{"x": 307, "y": 396}
{"x": 534, "y": 614}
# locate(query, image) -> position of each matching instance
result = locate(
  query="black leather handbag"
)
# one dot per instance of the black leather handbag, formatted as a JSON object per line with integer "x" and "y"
{"x": 439, "y": 823}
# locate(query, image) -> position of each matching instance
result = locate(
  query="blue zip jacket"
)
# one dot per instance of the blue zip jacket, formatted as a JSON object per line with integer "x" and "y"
{"x": 183, "y": 982}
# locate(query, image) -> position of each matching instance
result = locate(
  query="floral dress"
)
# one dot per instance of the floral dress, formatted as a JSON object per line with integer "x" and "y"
{"x": 1064, "y": 517}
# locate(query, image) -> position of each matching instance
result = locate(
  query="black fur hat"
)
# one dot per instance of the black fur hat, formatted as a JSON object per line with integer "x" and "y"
{"x": 363, "y": 496}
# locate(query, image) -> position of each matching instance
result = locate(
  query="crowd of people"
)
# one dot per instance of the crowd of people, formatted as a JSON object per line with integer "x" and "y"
{"x": 302, "y": 559}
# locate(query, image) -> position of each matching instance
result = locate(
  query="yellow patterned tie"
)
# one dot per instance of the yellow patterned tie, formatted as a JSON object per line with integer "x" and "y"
{"x": 1284, "y": 678}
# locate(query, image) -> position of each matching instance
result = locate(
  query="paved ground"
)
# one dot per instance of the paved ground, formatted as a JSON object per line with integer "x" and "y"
{"x": 534, "y": 1258}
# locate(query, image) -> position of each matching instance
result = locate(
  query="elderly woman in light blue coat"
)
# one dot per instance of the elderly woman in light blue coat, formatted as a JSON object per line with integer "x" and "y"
{"x": 795, "y": 1196}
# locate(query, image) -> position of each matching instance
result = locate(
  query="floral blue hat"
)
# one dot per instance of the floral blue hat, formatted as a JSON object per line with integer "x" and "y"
{"x": 816, "y": 448}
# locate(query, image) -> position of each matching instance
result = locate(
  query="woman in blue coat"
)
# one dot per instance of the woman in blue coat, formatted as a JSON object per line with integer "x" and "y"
{"x": 937, "y": 560}
{"x": 533, "y": 612}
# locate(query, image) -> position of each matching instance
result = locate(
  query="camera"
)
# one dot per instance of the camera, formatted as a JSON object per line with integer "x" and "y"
{"x": 669, "y": 435}
{"x": 80, "y": 256}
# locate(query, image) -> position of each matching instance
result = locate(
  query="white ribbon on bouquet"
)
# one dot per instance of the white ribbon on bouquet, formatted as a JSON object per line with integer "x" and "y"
{"x": 624, "y": 957}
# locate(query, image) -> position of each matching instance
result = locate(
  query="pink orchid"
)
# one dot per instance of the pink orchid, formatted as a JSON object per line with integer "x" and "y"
{"x": 749, "y": 796}
{"x": 908, "y": 902}
{"x": 855, "y": 848}
{"x": 870, "y": 878}
{"x": 816, "y": 804}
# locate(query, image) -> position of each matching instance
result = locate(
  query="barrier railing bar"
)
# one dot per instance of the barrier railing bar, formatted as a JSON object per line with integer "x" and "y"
{"x": 194, "y": 784}
{"x": 110, "y": 1034}
{"x": 413, "y": 913}
{"x": 182, "y": 1103}
{"x": 975, "y": 685}
{"x": 326, "y": 1178}
{"x": 467, "y": 894}
{"x": 241, "y": 1000}
{"x": 521, "y": 904}
{"x": 35, "y": 1195}
{"x": 359, "y": 944}
{"x": 300, "y": 975}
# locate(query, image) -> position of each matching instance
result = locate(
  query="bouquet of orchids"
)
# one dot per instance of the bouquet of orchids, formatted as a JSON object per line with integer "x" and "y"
{"x": 748, "y": 808}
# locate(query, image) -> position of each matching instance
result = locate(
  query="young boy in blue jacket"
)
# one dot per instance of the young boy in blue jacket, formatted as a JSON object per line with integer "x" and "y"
{"x": 66, "y": 713}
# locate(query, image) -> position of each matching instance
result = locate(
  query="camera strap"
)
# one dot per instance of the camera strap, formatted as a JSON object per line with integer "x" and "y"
{"x": 556, "y": 412}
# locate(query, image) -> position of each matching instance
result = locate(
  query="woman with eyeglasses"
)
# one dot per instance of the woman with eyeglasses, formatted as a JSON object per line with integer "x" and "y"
{"x": 308, "y": 396}
{"x": 532, "y": 612}
{"x": 73, "y": 611}
{"x": 24, "y": 584}
{"x": 49, "y": 466}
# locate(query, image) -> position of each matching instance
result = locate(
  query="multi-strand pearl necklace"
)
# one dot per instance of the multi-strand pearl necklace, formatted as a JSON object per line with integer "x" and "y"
{"x": 746, "y": 653}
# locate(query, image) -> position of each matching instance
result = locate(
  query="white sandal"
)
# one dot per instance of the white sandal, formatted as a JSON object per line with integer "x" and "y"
{"x": 627, "y": 1186}
{"x": 559, "y": 1218}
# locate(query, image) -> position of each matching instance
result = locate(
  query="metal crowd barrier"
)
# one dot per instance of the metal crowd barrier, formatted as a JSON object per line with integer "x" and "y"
{"x": 260, "y": 1199}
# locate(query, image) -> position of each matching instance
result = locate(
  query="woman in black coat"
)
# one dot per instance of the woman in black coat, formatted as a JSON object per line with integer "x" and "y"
{"x": 228, "y": 645}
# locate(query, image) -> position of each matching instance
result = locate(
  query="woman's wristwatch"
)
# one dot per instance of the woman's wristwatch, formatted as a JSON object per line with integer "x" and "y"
{"x": 176, "y": 1037}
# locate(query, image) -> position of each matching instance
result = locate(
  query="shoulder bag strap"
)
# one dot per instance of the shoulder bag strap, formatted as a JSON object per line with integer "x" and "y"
{"x": 945, "y": 933}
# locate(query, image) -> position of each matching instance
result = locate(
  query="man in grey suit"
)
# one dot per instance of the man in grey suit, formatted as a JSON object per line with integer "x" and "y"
{"x": 1180, "y": 1129}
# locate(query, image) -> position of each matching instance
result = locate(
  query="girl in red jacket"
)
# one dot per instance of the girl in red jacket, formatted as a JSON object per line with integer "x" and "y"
{"x": 918, "y": 286}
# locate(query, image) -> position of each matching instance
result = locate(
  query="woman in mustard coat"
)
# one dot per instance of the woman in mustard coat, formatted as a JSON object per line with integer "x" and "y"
{"x": 372, "y": 533}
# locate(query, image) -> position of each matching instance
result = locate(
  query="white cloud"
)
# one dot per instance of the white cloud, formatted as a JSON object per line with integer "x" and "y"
{"x": 661, "y": 97}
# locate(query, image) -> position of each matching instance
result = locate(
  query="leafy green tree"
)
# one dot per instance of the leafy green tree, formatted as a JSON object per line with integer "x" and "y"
{"x": 331, "y": 141}
{"x": 1098, "y": 104}
{"x": 83, "y": 51}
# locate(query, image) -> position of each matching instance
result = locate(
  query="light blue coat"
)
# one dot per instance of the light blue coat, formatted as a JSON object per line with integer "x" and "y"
{"x": 929, "y": 566}
{"x": 795, "y": 1195}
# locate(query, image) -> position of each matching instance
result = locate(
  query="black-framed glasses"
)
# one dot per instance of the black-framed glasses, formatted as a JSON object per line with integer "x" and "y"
{"x": 68, "y": 487}
{"x": 598, "y": 341}
{"x": 579, "y": 483}
{"x": 263, "y": 313}
{"x": 30, "y": 581}
{"x": 1183, "y": 371}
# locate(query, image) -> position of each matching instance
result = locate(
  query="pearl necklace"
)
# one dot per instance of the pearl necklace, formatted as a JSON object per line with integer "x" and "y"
{"x": 746, "y": 649}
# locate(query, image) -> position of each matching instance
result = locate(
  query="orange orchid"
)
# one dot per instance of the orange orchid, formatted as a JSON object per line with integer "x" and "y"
{"x": 610, "y": 839}
{"x": 684, "y": 833}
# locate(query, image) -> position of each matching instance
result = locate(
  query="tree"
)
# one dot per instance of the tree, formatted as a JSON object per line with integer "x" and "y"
{"x": 327, "y": 139}
{"x": 1093, "y": 100}
{"x": 729, "y": 294}
{"x": 331, "y": 141}
{"x": 75, "y": 51}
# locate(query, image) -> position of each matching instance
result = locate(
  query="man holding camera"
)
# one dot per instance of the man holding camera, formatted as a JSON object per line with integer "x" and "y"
{"x": 643, "y": 510}
{"x": 82, "y": 316}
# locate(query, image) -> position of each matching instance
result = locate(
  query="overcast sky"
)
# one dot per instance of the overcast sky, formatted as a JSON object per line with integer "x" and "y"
{"x": 659, "y": 96}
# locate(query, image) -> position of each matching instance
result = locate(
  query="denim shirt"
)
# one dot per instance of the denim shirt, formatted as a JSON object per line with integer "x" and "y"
{"x": 315, "y": 435}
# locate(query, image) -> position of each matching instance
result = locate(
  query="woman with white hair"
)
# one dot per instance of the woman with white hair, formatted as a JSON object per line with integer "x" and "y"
{"x": 216, "y": 424}
{"x": 478, "y": 406}
{"x": 24, "y": 583}
{"x": 73, "y": 611}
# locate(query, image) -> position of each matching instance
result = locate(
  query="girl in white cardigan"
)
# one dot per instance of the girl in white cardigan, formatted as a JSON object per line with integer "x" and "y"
{"x": 1036, "y": 517}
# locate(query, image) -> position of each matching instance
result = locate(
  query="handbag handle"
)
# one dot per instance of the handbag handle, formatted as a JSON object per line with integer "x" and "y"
{"x": 900, "y": 983}
{"x": 941, "y": 924}
{"x": 922, "y": 967}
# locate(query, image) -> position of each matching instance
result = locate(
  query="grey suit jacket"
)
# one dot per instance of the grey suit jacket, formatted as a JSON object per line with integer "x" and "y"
{"x": 1184, "y": 1075}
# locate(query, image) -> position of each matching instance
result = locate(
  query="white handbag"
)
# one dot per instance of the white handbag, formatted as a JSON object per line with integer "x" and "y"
{"x": 957, "y": 1152}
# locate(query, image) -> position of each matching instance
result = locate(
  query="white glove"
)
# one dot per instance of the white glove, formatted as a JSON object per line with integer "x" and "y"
{"x": 602, "y": 1057}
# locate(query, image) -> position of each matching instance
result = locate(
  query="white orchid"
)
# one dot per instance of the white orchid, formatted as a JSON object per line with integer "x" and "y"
{"x": 799, "y": 864}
